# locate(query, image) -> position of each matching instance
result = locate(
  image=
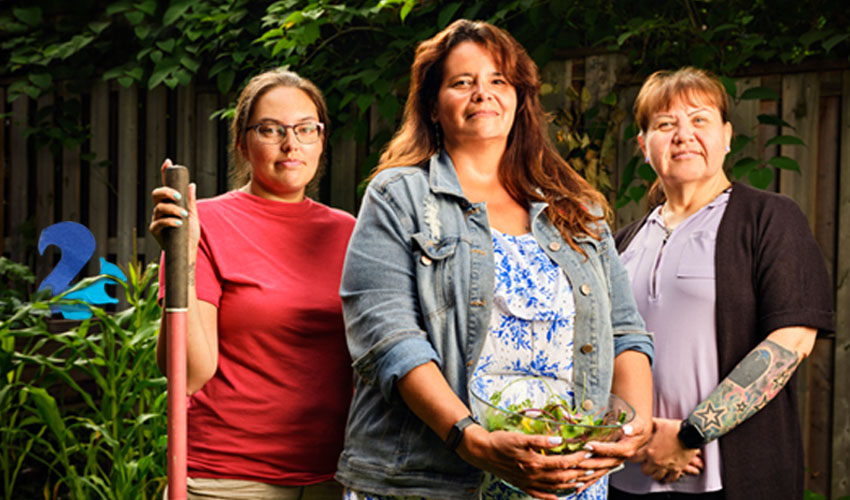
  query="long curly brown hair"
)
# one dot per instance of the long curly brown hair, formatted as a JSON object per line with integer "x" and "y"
{"x": 531, "y": 168}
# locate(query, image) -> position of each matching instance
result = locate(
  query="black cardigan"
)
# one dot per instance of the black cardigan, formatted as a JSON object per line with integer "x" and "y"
{"x": 769, "y": 274}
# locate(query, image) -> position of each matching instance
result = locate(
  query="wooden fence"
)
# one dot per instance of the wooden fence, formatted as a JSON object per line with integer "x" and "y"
{"x": 132, "y": 131}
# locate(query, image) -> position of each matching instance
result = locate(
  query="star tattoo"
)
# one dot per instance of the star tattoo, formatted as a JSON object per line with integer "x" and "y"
{"x": 710, "y": 417}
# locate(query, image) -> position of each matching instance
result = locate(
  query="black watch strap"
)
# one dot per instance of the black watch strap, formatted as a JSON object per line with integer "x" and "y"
{"x": 456, "y": 432}
{"x": 690, "y": 435}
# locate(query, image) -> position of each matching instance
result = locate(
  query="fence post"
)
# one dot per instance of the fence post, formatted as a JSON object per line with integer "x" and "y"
{"x": 840, "y": 484}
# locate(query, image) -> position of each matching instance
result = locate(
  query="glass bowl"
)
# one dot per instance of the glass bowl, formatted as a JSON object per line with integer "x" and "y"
{"x": 510, "y": 401}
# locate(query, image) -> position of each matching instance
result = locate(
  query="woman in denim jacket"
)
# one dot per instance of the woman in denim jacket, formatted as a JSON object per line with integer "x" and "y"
{"x": 471, "y": 222}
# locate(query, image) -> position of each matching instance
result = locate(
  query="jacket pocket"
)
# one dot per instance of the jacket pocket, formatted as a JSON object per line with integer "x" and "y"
{"x": 435, "y": 266}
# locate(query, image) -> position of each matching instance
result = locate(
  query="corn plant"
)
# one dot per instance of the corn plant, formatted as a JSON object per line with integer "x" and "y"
{"x": 92, "y": 412}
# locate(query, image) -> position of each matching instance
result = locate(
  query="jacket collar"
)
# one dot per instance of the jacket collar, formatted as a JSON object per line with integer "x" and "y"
{"x": 442, "y": 175}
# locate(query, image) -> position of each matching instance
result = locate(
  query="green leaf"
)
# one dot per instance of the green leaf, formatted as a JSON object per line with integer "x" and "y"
{"x": 175, "y": 11}
{"x": 142, "y": 32}
{"x": 388, "y": 106}
{"x": 610, "y": 99}
{"x": 156, "y": 56}
{"x": 113, "y": 73}
{"x": 834, "y": 40}
{"x": 30, "y": 15}
{"x": 785, "y": 140}
{"x": 406, "y": 8}
{"x": 645, "y": 172}
{"x": 730, "y": 86}
{"x": 739, "y": 142}
{"x": 784, "y": 163}
{"x": 446, "y": 14}
{"x": 773, "y": 120}
{"x": 363, "y": 102}
{"x": 135, "y": 17}
{"x": 759, "y": 93}
{"x": 813, "y": 36}
{"x": 224, "y": 80}
{"x": 136, "y": 73}
{"x": 743, "y": 166}
{"x": 126, "y": 81}
{"x": 148, "y": 7}
{"x": 761, "y": 177}
{"x": 166, "y": 45}
{"x": 98, "y": 26}
{"x": 622, "y": 38}
{"x": 48, "y": 411}
{"x": 190, "y": 63}
{"x": 636, "y": 193}
{"x": 42, "y": 80}
{"x": 158, "y": 76}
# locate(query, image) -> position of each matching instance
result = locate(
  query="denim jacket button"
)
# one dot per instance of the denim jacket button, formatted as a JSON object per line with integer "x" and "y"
{"x": 425, "y": 260}
{"x": 587, "y": 405}
{"x": 587, "y": 348}
{"x": 585, "y": 289}
{"x": 554, "y": 246}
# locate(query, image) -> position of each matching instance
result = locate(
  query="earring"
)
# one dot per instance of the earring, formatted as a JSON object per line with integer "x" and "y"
{"x": 728, "y": 148}
{"x": 646, "y": 160}
{"x": 438, "y": 135}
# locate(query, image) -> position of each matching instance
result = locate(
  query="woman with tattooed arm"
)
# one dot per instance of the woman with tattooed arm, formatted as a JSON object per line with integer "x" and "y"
{"x": 734, "y": 287}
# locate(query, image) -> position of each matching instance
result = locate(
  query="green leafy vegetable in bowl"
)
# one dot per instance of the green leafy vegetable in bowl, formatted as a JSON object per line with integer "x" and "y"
{"x": 548, "y": 406}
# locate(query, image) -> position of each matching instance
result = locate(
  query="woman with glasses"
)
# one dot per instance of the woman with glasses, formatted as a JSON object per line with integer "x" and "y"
{"x": 269, "y": 375}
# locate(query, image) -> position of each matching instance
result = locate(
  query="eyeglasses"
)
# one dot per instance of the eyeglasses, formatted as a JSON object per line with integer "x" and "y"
{"x": 275, "y": 133}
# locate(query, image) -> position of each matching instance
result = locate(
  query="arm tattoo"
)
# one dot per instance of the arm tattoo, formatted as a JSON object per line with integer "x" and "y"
{"x": 755, "y": 381}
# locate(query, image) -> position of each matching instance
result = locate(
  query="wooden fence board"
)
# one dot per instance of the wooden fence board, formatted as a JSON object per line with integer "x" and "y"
{"x": 185, "y": 118}
{"x": 206, "y": 159}
{"x": 820, "y": 362}
{"x": 840, "y": 484}
{"x": 44, "y": 195}
{"x": 156, "y": 109}
{"x": 343, "y": 172}
{"x": 128, "y": 175}
{"x": 743, "y": 115}
{"x": 3, "y": 171}
{"x": 625, "y": 150}
{"x": 98, "y": 173}
{"x": 71, "y": 179}
{"x": 799, "y": 97}
{"x": 800, "y": 108}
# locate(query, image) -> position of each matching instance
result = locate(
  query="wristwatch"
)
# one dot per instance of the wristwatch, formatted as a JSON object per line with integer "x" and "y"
{"x": 690, "y": 435}
{"x": 456, "y": 432}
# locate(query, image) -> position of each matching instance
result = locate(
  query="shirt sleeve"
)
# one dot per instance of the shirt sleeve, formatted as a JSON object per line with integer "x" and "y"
{"x": 629, "y": 329}
{"x": 792, "y": 284}
{"x": 379, "y": 296}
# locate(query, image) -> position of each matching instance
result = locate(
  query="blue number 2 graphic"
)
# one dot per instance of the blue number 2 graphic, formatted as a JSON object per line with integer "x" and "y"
{"x": 77, "y": 245}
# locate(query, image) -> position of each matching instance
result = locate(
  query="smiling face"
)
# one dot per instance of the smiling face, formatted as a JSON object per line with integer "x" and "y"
{"x": 475, "y": 102}
{"x": 282, "y": 171}
{"x": 687, "y": 142}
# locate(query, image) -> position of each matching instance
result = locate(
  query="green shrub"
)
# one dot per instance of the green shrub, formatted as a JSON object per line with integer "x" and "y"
{"x": 82, "y": 411}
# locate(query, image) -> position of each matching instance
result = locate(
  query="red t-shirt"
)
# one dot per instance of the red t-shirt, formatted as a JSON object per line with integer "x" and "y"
{"x": 276, "y": 408}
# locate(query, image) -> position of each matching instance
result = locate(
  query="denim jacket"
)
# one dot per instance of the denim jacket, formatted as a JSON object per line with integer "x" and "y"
{"x": 417, "y": 286}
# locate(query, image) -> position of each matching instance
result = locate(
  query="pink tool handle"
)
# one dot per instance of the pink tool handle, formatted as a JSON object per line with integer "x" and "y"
{"x": 176, "y": 304}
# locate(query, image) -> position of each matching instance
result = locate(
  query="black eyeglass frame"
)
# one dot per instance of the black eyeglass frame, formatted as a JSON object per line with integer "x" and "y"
{"x": 319, "y": 125}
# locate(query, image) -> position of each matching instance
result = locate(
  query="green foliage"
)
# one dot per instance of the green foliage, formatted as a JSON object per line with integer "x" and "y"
{"x": 359, "y": 52}
{"x": 587, "y": 133}
{"x": 85, "y": 408}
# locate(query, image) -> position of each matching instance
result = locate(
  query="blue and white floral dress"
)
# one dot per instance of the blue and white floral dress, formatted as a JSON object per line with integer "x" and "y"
{"x": 530, "y": 331}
